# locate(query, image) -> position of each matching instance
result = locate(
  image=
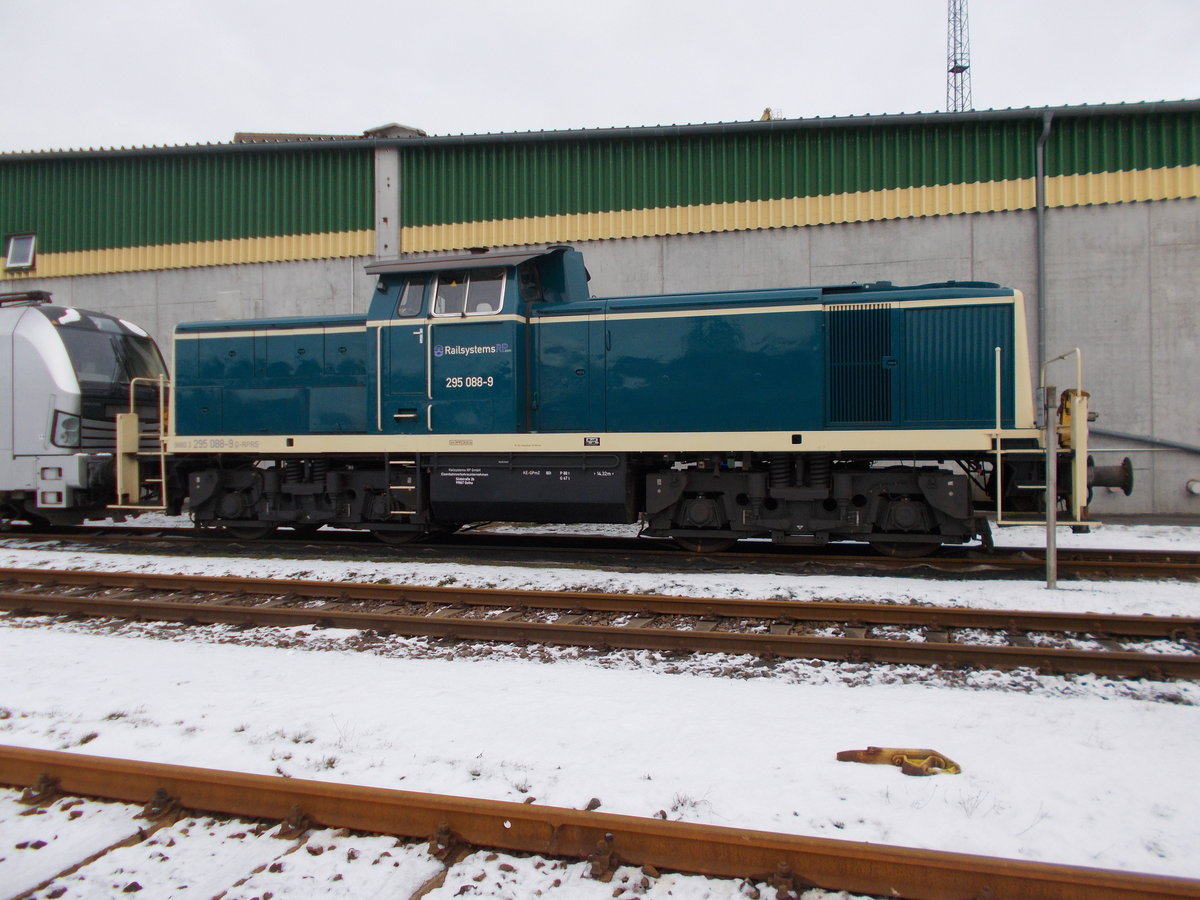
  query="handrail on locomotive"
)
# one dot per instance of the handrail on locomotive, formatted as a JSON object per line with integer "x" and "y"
{"x": 137, "y": 491}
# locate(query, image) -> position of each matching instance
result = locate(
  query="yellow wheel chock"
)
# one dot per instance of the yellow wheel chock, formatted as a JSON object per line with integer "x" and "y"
{"x": 911, "y": 762}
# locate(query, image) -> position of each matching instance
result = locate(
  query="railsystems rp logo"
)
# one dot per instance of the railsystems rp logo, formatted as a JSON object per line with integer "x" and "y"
{"x": 440, "y": 350}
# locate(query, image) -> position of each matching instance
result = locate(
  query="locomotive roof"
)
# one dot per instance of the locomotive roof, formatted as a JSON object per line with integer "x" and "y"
{"x": 870, "y": 291}
{"x": 481, "y": 258}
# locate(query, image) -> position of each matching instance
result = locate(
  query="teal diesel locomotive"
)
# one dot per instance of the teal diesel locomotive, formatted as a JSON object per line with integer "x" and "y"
{"x": 492, "y": 386}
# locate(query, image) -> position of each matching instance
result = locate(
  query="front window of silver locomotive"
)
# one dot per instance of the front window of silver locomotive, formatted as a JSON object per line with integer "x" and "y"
{"x": 107, "y": 354}
{"x": 106, "y": 351}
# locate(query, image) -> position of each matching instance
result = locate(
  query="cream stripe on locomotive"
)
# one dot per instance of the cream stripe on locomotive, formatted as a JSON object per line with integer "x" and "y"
{"x": 610, "y": 316}
{"x": 948, "y": 441}
{"x": 260, "y": 332}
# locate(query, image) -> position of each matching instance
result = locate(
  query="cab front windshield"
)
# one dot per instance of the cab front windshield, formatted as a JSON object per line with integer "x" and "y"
{"x": 105, "y": 351}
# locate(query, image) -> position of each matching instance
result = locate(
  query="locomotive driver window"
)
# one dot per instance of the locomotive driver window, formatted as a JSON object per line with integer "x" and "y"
{"x": 411, "y": 296}
{"x": 485, "y": 292}
{"x": 450, "y": 294}
{"x": 469, "y": 293}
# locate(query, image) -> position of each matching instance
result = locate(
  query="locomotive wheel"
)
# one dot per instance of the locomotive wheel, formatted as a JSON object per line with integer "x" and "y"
{"x": 905, "y": 549}
{"x": 248, "y": 532}
{"x": 703, "y": 545}
{"x": 397, "y": 538}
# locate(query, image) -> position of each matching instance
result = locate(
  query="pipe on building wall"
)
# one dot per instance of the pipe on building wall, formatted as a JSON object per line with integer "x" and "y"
{"x": 1145, "y": 439}
{"x": 1040, "y": 208}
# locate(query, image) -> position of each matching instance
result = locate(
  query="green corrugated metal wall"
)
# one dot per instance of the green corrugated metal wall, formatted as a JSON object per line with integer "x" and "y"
{"x": 485, "y": 182}
{"x": 94, "y": 202}
{"x": 86, "y": 203}
{"x": 1123, "y": 143}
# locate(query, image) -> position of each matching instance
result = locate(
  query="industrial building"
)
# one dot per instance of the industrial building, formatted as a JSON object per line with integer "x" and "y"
{"x": 1092, "y": 211}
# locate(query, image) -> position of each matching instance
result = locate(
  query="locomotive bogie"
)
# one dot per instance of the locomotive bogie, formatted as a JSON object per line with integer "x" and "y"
{"x": 309, "y": 493}
{"x": 422, "y": 495}
{"x": 810, "y": 499}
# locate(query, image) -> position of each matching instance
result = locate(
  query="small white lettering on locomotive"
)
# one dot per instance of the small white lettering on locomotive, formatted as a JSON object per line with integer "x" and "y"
{"x": 472, "y": 350}
{"x": 470, "y": 381}
{"x": 220, "y": 444}
{"x": 465, "y": 476}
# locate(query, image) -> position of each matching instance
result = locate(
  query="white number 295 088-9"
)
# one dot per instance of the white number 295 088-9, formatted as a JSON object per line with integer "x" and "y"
{"x": 470, "y": 381}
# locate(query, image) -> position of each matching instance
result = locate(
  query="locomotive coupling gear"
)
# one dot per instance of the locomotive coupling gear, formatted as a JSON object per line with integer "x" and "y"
{"x": 911, "y": 762}
{"x": 1118, "y": 476}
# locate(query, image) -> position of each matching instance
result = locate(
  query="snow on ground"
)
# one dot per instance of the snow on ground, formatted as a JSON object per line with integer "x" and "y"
{"x": 1102, "y": 536}
{"x": 232, "y": 859}
{"x": 35, "y": 848}
{"x": 1080, "y": 770}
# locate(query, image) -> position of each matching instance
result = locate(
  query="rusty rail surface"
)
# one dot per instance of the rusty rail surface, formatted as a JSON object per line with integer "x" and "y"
{"x": 447, "y": 614}
{"x": 952, "y": 562}
{"x": 605, "y": 838}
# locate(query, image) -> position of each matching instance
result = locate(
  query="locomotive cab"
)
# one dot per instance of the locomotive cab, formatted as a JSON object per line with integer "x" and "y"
{"x": 70, "y": 372}
{"x": 453, "y": 343}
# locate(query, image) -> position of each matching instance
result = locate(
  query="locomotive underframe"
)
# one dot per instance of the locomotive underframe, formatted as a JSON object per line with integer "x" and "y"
{"x": 796, "y": 498}
{"x": 61, "y": 489}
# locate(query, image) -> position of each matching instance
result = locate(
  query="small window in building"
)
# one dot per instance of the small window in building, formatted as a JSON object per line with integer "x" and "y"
{"x": 411, "y": 296}
{"x": 20, "y": 252}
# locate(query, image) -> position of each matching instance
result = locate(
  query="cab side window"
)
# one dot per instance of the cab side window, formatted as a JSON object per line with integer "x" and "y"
{"x": 478, "y": 292}
{"x": 411, "y": 297}
{"x": 486, "y": 292}
{"x": 530, "y": 283}
{"x": 450, "y": 293}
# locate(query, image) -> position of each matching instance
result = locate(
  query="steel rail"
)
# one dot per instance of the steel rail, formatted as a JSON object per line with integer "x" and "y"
{"x": 554, "y": 831}
{"x": 608, "y": 637}
{"x": 594, "y": 601}
{"x": 1014, "y": 561}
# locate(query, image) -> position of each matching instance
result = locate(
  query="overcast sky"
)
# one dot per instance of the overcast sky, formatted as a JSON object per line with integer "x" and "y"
{"x": 89, "y": 73}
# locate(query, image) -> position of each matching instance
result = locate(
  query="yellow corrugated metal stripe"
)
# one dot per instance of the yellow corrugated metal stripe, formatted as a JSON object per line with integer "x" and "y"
{"x": 866, "y": 206}
{"x": 281, "y": 248}
{"x": 1123, "y": 187}
{"x": 863, "y": 206}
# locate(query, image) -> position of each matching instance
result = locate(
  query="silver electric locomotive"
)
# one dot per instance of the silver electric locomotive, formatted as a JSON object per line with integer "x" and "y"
{"x": 65, "y": 374}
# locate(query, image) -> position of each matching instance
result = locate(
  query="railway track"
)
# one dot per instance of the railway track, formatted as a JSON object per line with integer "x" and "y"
{"x": 1155, "y": 647}
{"x": 453, "y": 825}
{"x": 620, "y": 552}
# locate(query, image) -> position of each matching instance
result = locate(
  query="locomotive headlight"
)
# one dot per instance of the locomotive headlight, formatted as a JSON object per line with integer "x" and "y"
{"x": 66, "y": 429}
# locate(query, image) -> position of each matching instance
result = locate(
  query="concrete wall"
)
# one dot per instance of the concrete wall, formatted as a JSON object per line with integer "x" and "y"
{"x": 1120, "y": 280}
{"x": 158, "y": 301}
{"x": 1122, "y": 284}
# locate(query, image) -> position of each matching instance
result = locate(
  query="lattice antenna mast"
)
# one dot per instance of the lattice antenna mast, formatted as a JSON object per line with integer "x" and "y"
{"x": 958, "y": 57}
